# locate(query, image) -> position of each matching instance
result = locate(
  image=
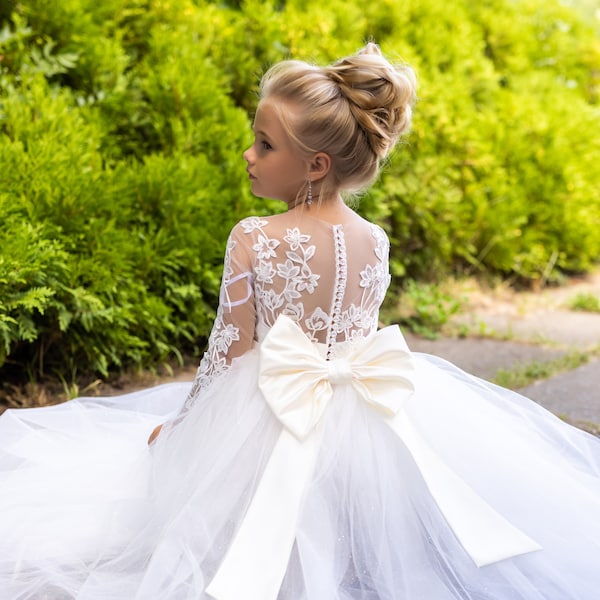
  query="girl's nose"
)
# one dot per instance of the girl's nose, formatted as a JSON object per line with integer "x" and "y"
{"x": 248, "y": 155}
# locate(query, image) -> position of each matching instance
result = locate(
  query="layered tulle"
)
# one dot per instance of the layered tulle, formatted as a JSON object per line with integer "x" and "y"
{"x": 89, "y": 511}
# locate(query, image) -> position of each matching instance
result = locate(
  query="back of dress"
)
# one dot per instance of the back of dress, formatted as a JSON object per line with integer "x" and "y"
{"x": 330, "y": 279}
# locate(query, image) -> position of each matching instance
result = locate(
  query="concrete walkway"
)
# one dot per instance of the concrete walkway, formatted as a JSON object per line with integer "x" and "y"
{"x": 533, "y": 328}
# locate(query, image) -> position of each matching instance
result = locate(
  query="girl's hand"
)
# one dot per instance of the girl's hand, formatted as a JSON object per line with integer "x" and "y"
{"x": 154, "y": 434}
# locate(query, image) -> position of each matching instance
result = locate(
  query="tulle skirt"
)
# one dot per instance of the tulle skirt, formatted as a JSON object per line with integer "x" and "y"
{"x": 89, "y": 511}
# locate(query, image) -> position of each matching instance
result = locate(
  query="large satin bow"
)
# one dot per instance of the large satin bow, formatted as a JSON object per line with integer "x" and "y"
{"x": 298, "y": 383}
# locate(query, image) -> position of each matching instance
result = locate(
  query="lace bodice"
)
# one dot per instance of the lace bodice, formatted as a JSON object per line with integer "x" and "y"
{"x": 330, "y": 279}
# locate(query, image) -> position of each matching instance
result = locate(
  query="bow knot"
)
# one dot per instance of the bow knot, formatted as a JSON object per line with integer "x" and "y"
{"x": 339, "y": 371}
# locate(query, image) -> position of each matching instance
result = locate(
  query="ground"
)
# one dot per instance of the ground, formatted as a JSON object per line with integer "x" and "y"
{"x": 532, "y": 341}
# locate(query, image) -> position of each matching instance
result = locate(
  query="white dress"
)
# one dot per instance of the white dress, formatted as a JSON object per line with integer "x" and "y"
{"x": 313, "y": 458}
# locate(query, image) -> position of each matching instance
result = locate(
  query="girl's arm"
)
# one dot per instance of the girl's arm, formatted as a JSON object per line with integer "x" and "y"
{"x": 233, "y": 330}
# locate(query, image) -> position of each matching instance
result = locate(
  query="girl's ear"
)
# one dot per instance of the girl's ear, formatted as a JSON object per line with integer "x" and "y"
{"x": 319, "y": 166}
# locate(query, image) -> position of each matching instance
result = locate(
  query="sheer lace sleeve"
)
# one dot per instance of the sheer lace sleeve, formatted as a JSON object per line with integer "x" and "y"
{"x": 233, "y": 330}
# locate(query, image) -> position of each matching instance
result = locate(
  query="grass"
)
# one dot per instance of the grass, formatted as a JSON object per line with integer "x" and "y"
{"x": 589, "y": 426}
{"x": 482, "y": 330}
{"x": 585, "y": 302}
{"x": 526, "y": 374}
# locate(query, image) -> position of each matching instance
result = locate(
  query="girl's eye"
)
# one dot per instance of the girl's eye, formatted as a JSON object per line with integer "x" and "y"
{"x": 266, "y": 145}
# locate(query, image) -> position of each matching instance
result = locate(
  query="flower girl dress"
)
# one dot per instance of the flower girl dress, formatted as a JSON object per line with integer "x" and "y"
{"x": 314, "y": 457}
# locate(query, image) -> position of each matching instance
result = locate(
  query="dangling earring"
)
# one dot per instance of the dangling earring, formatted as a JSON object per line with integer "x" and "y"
{"x": 309, "y": 198}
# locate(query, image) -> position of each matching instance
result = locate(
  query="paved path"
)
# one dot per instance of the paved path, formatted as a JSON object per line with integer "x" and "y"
{"x": 536, "y": 328}
{"x": 574, "y": 395}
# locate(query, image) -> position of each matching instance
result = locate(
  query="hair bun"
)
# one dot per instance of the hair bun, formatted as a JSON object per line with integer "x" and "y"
{"x": 380, "y": 95}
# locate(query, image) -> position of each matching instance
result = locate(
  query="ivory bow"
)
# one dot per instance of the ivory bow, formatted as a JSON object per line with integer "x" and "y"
{"x": 297, "y": 383}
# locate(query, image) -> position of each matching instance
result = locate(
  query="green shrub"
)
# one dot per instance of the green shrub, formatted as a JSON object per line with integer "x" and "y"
{"x": 499, "y": 172}
{"x": 585, "y": 302}
{"x": 125, "y": 254}
{"x": 425, "y": 308}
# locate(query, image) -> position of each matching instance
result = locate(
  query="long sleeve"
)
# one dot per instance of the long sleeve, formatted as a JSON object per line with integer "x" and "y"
{"x": 233, "y": 331}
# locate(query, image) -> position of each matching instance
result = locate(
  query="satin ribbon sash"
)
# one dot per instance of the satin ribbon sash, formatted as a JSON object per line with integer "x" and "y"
{"x": 297, "y": 383}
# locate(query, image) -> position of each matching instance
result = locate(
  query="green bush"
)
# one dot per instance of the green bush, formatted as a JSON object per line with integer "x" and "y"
{"x": 499, "y": 173}
{"x": 122, "y": 125}
{"x": 425, "y": 308}
{"x": 586, "y": 302}
{"x": 124, "y": 247}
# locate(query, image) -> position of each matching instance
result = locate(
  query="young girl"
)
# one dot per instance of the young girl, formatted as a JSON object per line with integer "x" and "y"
{"x": 314, "y": 457}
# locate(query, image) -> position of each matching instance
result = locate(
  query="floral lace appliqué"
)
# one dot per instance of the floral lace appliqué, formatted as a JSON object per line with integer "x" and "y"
{"x": 292, "y": 273}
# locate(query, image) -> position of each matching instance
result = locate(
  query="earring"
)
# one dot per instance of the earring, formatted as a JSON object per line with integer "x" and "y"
{"x": 309, "y": 198}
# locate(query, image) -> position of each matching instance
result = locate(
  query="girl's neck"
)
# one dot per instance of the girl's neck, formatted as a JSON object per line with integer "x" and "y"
{"x": 333, "y": 210}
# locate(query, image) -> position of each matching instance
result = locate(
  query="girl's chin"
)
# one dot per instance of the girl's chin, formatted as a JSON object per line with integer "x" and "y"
{"x": 255, "y": 189}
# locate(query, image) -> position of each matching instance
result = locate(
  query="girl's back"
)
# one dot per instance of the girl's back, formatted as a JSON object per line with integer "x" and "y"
{"x": 329, "y": 277}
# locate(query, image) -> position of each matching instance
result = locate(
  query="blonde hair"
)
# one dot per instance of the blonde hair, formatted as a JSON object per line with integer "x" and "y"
{"x": 354, "y": 110}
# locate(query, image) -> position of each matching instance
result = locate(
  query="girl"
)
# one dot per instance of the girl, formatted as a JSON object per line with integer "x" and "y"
{"x": 314, "y": 457}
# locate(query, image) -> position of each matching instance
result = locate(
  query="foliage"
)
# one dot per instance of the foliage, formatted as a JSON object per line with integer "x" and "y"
{"x": 497, "y": 175}
{"x": 111, "y": 236}
{"x": 425, "y": 308}
{"x": 122, "y": 124}
{"x": 585, "y": 302}
{"x": 526, "y": 374}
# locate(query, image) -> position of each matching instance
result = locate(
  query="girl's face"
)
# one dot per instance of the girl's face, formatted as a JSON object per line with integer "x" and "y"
{"x": 275, "y": 166}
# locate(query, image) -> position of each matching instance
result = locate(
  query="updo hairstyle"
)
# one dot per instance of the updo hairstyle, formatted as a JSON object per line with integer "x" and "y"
{"x": 354, "y": 110}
